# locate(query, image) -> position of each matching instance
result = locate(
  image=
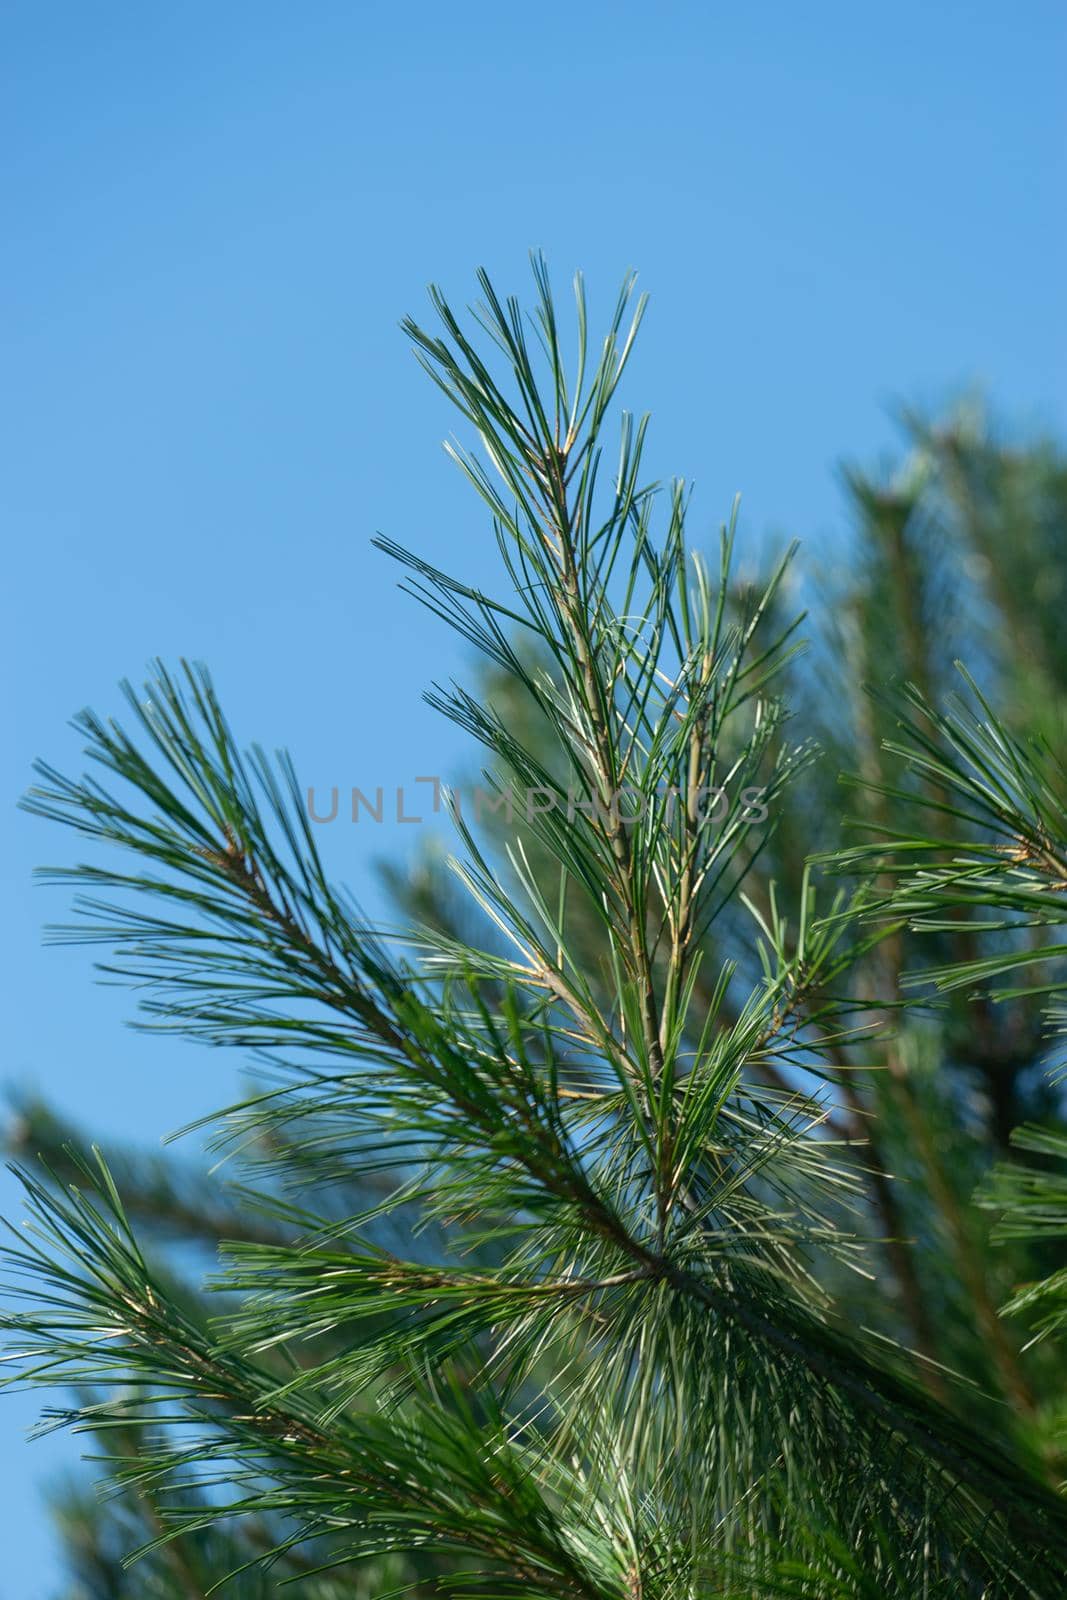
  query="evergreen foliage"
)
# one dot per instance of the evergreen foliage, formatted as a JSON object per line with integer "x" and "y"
{"x": 612, "y": 1232}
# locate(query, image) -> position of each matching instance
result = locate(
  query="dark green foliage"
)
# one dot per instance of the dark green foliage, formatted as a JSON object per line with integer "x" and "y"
{"x": 611, "y": 1233}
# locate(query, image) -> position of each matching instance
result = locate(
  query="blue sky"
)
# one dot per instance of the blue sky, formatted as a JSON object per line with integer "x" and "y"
{"x": 216, "y": 215}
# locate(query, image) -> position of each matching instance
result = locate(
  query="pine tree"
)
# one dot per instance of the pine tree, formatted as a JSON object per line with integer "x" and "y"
{"x": 622, "y": 1245}
{"x": 993, "y": 856}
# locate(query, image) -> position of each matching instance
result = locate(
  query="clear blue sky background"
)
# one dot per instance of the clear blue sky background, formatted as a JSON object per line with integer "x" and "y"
{"x": 215, "y": 216}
